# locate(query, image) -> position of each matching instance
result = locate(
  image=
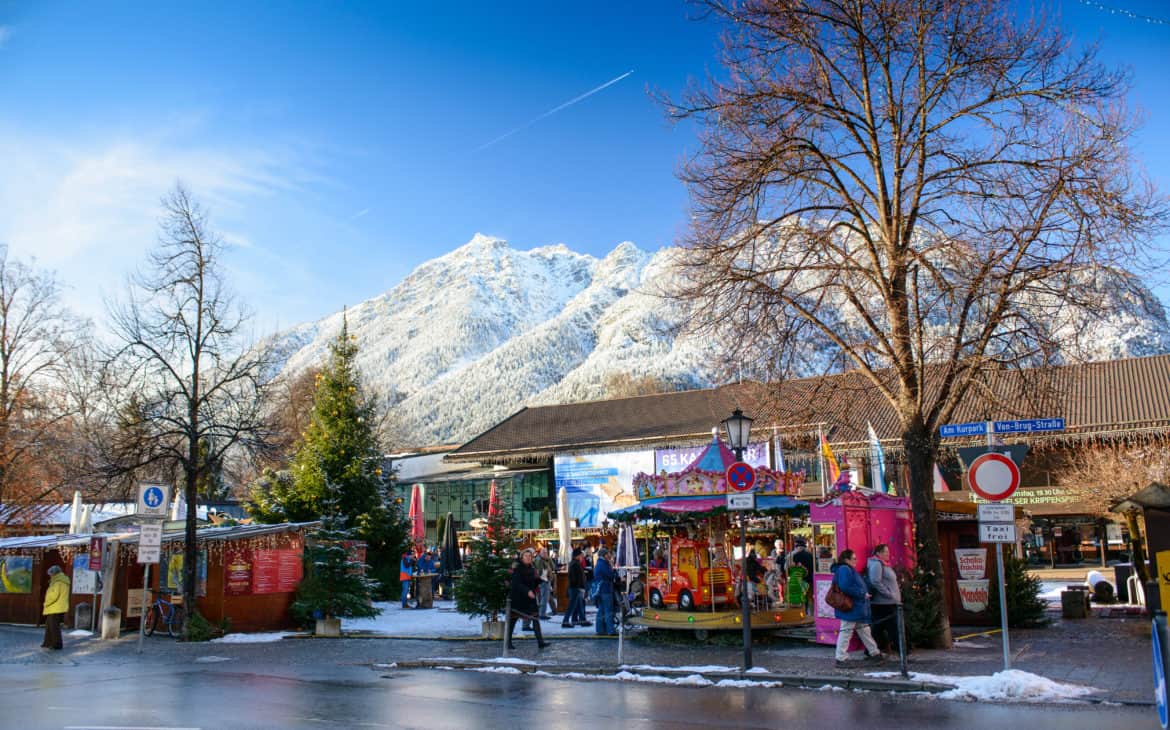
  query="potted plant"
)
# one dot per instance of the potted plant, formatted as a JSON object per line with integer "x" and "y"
{"x": 483, "y": 589}
{"x": 335, "y": 584}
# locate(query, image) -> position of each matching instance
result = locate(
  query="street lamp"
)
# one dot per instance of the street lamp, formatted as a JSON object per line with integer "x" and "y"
{"x": 738, "y": 427}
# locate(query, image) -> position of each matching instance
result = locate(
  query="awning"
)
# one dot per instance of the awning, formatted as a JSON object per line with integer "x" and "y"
{"x": 700, "y": 505}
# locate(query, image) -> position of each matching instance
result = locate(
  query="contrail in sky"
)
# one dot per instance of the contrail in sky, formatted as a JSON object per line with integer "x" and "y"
{"x": 554, "y": 110}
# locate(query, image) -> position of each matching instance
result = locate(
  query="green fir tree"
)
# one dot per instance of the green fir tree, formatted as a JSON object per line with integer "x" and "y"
{"x": 483, "y": 589}
{"x": 924, "y": 606}
{"x": 340, "y": 448}
{"x": 1024, "y": 607}
{"x": 335, "y": 584}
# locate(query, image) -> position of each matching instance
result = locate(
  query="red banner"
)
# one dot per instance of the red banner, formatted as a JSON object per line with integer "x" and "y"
{"x": 237, "y": 568}
{"x": 276, "y": 571}
{"x": 96, "y": 546}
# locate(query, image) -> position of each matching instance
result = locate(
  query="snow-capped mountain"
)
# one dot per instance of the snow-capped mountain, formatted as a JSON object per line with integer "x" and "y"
{"x": 472, "y": 336}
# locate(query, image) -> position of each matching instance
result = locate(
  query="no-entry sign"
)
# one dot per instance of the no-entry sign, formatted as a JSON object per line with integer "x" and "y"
{"x": 741, "y": 477}
{"x": 993, "y": 476}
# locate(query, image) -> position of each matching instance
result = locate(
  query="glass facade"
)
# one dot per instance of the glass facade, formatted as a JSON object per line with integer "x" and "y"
{"x": 526, "y": 494}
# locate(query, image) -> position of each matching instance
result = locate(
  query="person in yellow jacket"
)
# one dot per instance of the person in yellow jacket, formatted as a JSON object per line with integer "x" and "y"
{"x": 56, "y": 606}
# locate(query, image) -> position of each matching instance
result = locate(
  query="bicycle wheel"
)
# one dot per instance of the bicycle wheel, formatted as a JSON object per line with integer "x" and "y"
{"x": 175, "y": 625}
{"x": 150, "y": 620}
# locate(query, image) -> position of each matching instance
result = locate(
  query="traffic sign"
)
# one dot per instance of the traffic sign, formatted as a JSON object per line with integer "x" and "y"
{"x": 993, "y": 476}
{"x": 153, "y": 499}
{"x": 979, "y": 428}
{"x": 997, "y": 532}
{"x": 741, "y": 477}
{"x": 997, "y": 513}
{"x": 741, "y": 501}
{"x": 149, "y": 542}
{"x": 963, "y": 429}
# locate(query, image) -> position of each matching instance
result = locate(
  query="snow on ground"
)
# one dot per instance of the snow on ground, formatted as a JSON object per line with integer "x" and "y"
{"x": 212, "y": 659}
{"x": 442, "y": 620}
{"x": 1011, "y": 685}
{"x": 79, "y": 632}
{"x": 258, "y": 638}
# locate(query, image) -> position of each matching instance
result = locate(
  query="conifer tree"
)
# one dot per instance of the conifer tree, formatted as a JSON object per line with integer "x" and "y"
{"x": 483, "y": 589}
{"x": 335, "y": 584}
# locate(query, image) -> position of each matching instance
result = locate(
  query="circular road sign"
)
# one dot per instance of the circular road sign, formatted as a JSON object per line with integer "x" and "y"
{"x": 993, "y": 476}
{"x": 153, "y": 496}
{"x": 741, "y": 477}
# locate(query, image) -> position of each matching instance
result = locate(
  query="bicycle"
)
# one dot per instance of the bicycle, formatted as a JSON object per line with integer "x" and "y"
{"x": 169, "y": 613}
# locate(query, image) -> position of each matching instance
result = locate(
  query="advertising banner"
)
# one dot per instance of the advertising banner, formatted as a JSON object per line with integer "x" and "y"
{"x": 973, "y": 594}
{"x": 276, "y": 571}
{"x": 237, "y": 571}
{"x": 972, "y": 563}
{"x": 84, "y": 580}
{"x": 675, "y": 460}
{"x": 16, "y": 573}
{"x": 174, "y": 573}
{"x": 599, "y": 483}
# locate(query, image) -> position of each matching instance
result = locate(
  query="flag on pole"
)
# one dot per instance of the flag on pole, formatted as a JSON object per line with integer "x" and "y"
{"x": 830, "y": 460}
{"x": 940, "y": 484}
{"x": 779, "y": 453}
{"x": 877, "y": 460}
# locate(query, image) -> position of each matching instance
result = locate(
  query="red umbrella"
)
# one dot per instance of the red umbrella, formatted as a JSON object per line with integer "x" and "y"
{"x": 418, "y": 523}
{"x": 493, "y": 509}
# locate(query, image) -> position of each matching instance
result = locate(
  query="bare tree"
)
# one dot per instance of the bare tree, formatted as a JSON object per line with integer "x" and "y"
{"x": 926, "y": 191}
{"x": 197, "y": 384}
{"x": 38, "y": 340}
{"x": 1100, "y": 474}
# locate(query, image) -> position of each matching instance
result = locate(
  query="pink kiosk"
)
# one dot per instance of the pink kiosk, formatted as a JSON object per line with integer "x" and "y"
{"x": 856, "y": 520}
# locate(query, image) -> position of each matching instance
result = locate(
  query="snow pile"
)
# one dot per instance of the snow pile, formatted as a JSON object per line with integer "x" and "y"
{"x": 79, "y": 632}
{"x": 258, "y": 638}
{"x": 496, "y": 670}
{"x": 211, "y": 659}
{"x": 690, "y": 680}
{"x": 1011, "y": 685}
{"x": 746, "y": 683}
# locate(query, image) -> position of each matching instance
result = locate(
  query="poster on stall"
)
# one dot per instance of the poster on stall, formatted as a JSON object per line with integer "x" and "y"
{"x": 16, "y": 573}
{"x": 237, "y": 571}
{"x": 85, "y": 581}
{"x": 597, "y": 484}
{"x": 972, "y": 563}
{"x": 174, "y": 575}
{"x": 276, "y": 571}
{"x": 973, "y": 594}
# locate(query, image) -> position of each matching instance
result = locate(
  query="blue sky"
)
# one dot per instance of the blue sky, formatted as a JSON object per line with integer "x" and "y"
{"x": 339, "y": 145}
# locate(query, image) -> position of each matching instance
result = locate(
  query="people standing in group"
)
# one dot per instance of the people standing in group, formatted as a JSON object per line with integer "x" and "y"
{"x": 575, "y": 613}
{"x": 406, "y": 568}
{"x": 55, "y": 607}
{"x": 857, "y": 619}
{"x": 426, "y": 566}
{"x": 524, "y": 592}
{"x": 887, "y": 596}
{"x": 546, "y": 570}
{"x": 603, "y": 576}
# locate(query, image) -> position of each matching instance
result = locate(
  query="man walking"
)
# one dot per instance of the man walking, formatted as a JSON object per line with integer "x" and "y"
{"x": 56, "y": 606}
{"x": 575, "y": 613}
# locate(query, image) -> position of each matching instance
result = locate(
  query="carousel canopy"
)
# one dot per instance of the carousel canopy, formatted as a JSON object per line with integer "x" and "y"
{"x": 691, "y": 506}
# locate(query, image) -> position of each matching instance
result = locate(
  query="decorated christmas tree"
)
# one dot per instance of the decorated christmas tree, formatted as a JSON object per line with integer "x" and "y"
{"x": 335, "y": 583}
{"x": 483, "y": 589}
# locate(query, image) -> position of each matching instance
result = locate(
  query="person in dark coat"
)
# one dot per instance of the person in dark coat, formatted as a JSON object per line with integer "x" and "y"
{"x": 603, "y": 574}
{"x": 525, "y": 589}
{"x": 575, "y": 613}
{"x": 857, "y": 619}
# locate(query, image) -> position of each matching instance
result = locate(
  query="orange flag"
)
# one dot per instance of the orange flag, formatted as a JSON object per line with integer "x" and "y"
{"x": 834, "y": 469}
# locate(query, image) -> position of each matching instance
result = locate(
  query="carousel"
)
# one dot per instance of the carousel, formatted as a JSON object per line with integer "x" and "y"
{"x": 692, "y": 575}
{"x": 693, "y": 556}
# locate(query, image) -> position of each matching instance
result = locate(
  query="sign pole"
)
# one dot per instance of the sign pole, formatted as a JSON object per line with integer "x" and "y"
{"x": 743, "y": 596}
{"x": 1003, "y": 614}
{"x": 145, "y": 595}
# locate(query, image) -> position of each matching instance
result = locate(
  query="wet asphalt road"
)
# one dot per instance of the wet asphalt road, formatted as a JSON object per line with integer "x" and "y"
{"x": 233, "y": 695}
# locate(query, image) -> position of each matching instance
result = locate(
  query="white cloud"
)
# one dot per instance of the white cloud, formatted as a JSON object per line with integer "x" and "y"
{"x": 89, "y": 209}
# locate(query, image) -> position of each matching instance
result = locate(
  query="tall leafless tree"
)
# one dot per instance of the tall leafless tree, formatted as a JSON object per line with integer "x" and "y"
{"x": 39, "y": 337}
{"x": 195, "y": 381}
{"x": 926, "y": 190}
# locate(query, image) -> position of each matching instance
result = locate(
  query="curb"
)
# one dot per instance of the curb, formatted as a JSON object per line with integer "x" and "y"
{"x": 790, "y": 680}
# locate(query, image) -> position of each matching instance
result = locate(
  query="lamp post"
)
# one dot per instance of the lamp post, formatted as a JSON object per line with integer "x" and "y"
{"x": 738, "y": 427}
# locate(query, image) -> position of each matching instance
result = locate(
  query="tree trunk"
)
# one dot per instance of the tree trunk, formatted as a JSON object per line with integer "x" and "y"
{"x": 190, "y": 551}
{"x": 921, "y": 448}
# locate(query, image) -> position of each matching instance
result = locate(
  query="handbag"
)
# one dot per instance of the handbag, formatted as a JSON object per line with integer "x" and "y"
{"x": 837, "y": 598}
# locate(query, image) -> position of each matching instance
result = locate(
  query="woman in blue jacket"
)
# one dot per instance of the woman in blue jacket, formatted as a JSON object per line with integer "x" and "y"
{"x": 857, "y": 618}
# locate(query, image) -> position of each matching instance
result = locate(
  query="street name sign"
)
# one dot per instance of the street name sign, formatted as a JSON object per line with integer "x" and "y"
{"x": 741, "y": 477}
{"x": 741, "y": 501}
{"x": 993, "y": 476}
{"x": 149, "y": 542}
{"x": 979, "y": 428}
{"x": 153, "y": 500}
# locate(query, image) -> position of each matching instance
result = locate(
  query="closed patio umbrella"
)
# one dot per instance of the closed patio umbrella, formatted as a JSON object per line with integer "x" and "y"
{"x": 418, "y": 525}
{"x": 565, "y": 534}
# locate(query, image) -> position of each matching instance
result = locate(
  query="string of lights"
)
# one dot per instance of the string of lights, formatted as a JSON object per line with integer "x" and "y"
{"x": 1122, "y": 11}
